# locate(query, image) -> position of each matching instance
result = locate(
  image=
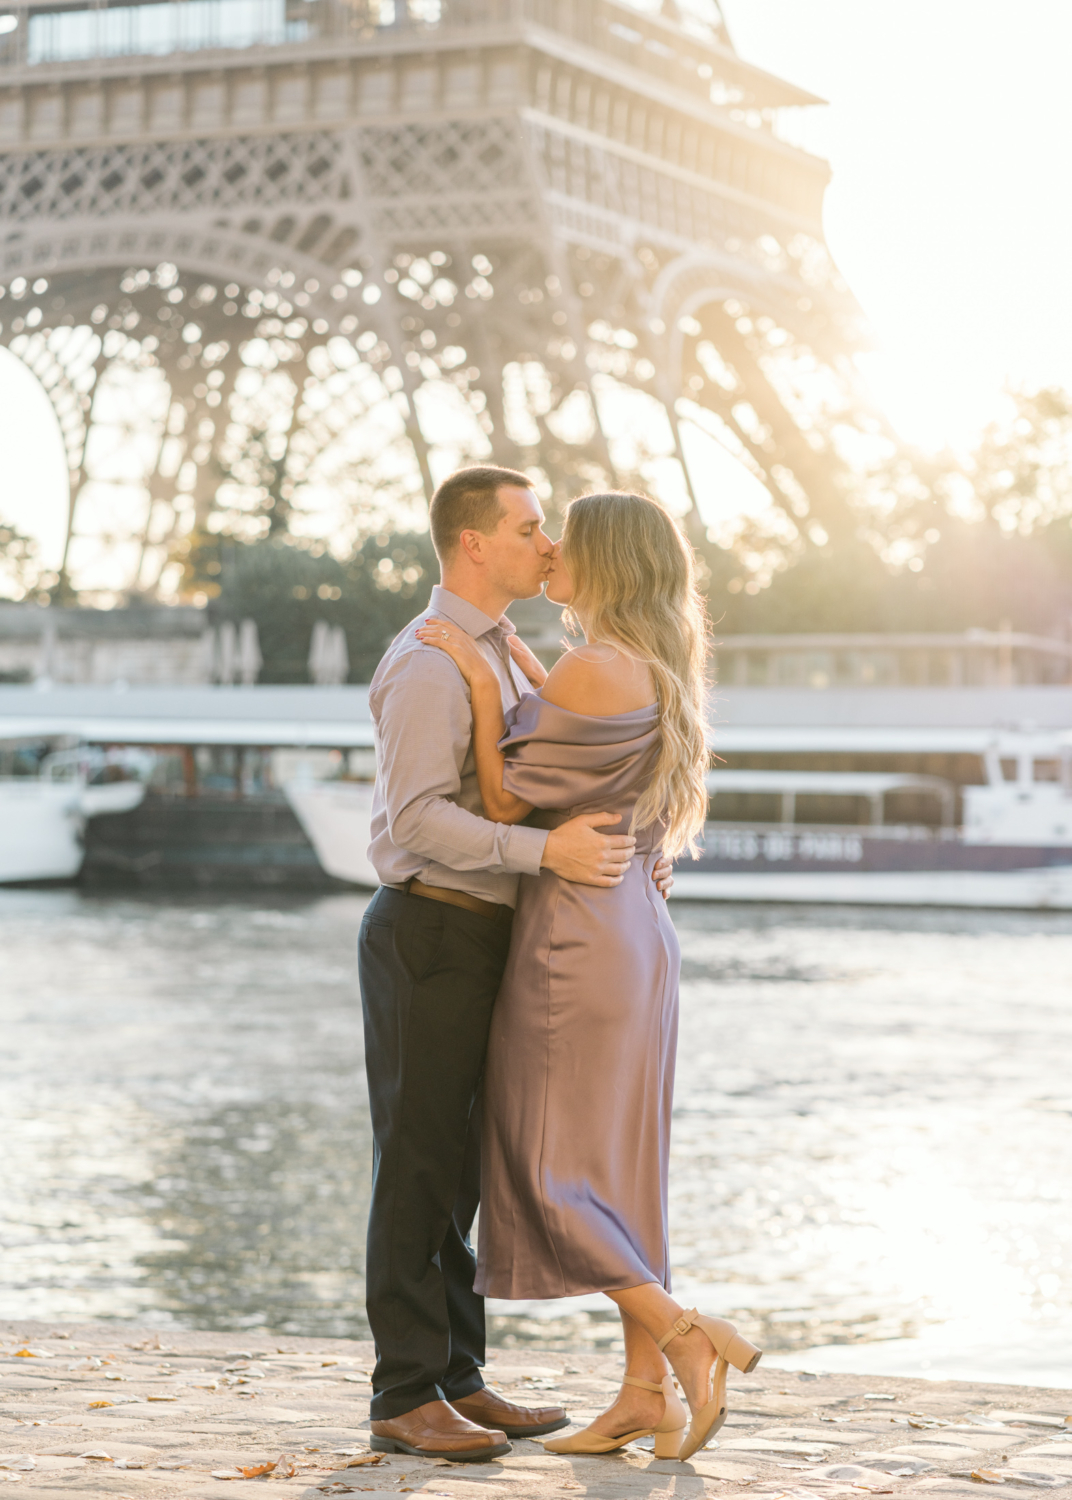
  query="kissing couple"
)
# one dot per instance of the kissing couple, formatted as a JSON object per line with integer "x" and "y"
{"x": 519, "y": 969}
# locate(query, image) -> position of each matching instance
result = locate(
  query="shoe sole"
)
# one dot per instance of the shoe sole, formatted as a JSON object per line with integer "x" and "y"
{"x": 532, "y": 1432}
{"x": 471, "y": 1456}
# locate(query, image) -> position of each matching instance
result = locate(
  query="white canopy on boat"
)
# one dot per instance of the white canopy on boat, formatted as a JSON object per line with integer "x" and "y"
{"x": 888, "y": 721}
{"x": 301, "y": 717}
{"x": 795, "y": 720}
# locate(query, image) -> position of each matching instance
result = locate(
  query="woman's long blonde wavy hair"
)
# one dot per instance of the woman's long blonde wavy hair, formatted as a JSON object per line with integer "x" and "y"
{"x": 634, "y": 585}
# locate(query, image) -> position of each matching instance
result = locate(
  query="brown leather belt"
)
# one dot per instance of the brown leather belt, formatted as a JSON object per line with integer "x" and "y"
{"x": 493, "y": 910}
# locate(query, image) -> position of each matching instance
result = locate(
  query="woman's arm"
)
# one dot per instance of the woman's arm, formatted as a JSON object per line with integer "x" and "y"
{"x": 500, "y": 805}
{"x": 489, "y": 727}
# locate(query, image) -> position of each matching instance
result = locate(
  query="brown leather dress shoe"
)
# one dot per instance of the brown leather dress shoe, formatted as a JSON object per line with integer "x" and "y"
{"x": 436, "y": 1430}
{"x": 490, "y": 1410}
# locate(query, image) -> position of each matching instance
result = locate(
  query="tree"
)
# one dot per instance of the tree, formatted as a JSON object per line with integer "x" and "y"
{"x": 20, "y": 569}
{"x": 286, "y": 587}
{"x": 940, "y": 544}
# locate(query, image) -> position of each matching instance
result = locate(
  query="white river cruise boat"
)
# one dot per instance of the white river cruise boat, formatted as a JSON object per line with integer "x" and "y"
{"x": 1011, "y": 848}
{"x": 930, "y": 797}
{"x": 43, "y": 817}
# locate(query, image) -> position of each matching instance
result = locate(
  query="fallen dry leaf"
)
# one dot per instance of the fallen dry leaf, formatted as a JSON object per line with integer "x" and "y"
{"x": 255, "y": 1471}
{"x": 33, "y": 1354}
{"x": 363, "y": 1458}
{"x": 987, "y": 1476}
{"x": 95, "y": 1405}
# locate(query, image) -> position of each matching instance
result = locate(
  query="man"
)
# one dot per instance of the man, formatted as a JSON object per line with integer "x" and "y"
{"x": 433, "y": 946}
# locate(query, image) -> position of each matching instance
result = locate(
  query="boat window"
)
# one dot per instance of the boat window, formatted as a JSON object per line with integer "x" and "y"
{"x": 1046, "y": 770}
{"x": 831, "y": 807}
{"x": 758, "y": 669}
{"x": 745, "y": 807}
{"x": 1008, "y": 767}
{"x": 789, "y": 669}
{"x": 819, "y": 669}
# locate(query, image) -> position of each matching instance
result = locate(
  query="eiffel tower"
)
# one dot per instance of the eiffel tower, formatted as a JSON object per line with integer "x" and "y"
{"x": 370, "y": 239}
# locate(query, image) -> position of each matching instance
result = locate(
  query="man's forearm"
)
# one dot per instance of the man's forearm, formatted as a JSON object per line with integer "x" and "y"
{"x": 439, "y": 830}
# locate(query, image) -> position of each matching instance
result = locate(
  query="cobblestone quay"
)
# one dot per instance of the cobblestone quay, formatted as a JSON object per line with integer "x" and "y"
{"x": 114, "y": 1410}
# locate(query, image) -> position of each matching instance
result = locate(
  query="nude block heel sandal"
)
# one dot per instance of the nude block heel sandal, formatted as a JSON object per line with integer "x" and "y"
{"x": 731, "y": 1349}
{"x": 667, "y": 1434}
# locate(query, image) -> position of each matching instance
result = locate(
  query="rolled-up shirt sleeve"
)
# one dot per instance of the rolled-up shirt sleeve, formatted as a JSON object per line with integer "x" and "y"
{"x": 423, "y": 731}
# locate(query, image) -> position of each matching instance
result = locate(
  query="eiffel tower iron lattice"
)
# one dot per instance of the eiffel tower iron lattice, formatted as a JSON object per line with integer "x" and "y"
{"x": 370, "y": 239}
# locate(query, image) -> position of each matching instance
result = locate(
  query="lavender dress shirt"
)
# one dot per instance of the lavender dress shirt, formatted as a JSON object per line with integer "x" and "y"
{"x": 427, "y": 817}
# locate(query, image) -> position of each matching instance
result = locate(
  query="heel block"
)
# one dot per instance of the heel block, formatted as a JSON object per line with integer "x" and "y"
{"x": 742, "y": 1355}
{"x": 668, "y": 1444}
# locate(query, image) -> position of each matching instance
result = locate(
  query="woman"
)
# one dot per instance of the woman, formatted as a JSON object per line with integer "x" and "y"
{"x": 580, "y": 1066}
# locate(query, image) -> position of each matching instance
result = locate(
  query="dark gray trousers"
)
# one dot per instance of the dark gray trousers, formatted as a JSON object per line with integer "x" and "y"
{"x": 429, "y": 976}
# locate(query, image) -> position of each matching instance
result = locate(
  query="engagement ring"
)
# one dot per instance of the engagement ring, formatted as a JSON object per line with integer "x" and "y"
{"x": 445, "y": 634}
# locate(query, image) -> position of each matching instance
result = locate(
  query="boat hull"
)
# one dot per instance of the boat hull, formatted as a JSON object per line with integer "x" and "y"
{"x": 40, "y": 830}
{"x": 337, "y": 819}
{"x": 737, "y": 850}
{"x": 1046, "y": 889}
{"x": 855, "y": 866}
{"x": 206, "y": 842}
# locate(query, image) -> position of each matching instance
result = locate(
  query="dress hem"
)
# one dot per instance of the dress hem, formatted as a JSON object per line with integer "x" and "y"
{"x": 580, "y": 1291}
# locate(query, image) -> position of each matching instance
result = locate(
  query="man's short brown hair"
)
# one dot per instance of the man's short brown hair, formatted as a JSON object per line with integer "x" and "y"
{"x": 469, "y": 501}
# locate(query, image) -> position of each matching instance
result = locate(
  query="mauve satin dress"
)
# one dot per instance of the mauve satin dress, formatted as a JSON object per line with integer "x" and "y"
{"x": 579, "y": 1078}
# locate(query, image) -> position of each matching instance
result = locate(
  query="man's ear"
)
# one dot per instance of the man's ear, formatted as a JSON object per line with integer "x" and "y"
{"x": 473, "y": 544}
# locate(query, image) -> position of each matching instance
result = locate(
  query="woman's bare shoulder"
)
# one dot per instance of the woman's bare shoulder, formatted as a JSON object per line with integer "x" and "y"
{"x": 598, "y": 680}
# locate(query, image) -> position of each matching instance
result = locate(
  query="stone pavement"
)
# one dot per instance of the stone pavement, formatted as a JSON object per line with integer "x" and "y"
{"x": 112, "y": 1410}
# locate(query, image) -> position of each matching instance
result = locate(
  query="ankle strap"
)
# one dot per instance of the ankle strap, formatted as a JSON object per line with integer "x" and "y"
{"x": 681, "y": 1326}
{"x": 645, "y": 1385}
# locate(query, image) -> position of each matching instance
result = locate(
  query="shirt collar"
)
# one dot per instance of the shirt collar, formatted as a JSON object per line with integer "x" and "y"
{"x": 472, "y": 620}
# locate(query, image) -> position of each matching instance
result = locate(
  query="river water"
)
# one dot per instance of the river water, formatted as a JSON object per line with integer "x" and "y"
{"x": 872, "y": 1157}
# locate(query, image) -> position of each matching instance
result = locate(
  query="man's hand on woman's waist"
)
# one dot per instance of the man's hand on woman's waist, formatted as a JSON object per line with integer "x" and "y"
{"x": 578, "y": 851}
